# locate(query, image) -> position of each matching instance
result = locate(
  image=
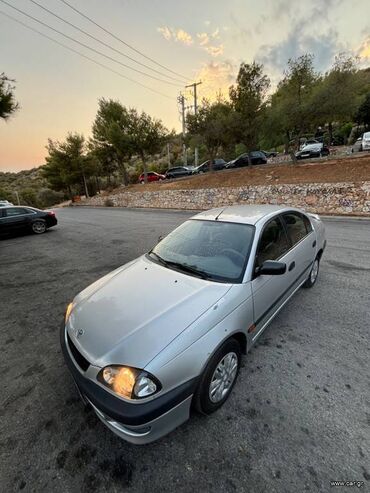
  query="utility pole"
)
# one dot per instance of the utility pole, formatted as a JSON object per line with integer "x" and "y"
{"x": 16, "y": 194}
{"x": 181, "y": 101}
{"x": 194, "y": 86}
{"x": 168, "y": 155}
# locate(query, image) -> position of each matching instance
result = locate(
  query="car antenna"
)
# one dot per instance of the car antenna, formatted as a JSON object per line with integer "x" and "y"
{"x": 218, "y": 215}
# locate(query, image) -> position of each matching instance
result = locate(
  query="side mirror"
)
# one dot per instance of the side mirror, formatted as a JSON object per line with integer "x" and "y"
{"x": 160, "y": 238}
{"x": 271, "y": 268}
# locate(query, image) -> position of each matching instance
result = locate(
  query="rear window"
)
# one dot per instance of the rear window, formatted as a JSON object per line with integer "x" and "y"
{"x": 366, "y": 135}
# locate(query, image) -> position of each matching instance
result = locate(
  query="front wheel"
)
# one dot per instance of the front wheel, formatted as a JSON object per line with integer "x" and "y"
{"x": 312, "y": 278}
{"x": 38, "y": 227}
{"x": 218, "y": 378}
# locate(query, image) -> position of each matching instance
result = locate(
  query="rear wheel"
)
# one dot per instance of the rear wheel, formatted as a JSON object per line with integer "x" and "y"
{"x": 38, "y": 227}
{"x": 218, "y": 378}
{"x": 312, "y": 278}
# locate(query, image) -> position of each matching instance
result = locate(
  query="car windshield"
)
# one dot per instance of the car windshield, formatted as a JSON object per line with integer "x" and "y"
{"x": 212, "y": 250}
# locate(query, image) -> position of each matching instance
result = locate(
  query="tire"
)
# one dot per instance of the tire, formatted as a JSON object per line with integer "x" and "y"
{"x": 314, "y": 273}
{"x": 38, "y": 227}
{"x": 228, "y": 355}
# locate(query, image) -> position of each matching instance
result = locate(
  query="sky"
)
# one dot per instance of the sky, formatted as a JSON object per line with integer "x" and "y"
{"x": 58, "y": 90}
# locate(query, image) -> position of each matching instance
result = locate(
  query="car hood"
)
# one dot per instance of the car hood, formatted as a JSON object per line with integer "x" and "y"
{"x": 132, "y": 314}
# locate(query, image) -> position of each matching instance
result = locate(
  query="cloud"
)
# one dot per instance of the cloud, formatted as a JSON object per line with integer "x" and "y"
{"x": 203, "y": 38}
{"x": 364, "y": 50}
{"x": 184, "y": 37}
{"x": 217, "y": 77}
{"x": 215, "y": 51}
{"x": 166, "y": 32}
{"x": 177, "y": 35}
{"x": 323, "y": 46}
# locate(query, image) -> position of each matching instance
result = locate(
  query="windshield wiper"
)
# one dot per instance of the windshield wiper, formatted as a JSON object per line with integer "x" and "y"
{"x": 178, "y": 265}
{"x": 160, "y": 259}
{"x": 188, "y": 268}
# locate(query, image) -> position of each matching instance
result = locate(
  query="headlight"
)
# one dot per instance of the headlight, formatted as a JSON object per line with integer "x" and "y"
{"x": 128, "y": 382}
{"x": 68, "y": 312}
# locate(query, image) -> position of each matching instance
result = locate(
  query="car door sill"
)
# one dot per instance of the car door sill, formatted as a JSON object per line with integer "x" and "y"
{"x": 276, "y": 312}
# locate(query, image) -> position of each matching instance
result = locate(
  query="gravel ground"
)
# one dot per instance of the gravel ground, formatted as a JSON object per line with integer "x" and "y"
{"x": 298, "y": 418}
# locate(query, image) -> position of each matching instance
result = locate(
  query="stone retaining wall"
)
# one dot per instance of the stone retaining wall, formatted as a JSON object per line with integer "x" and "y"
{"x": 324, "y": 198}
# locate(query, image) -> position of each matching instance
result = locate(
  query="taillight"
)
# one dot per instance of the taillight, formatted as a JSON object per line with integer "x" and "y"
{"x": 51, "y": 213}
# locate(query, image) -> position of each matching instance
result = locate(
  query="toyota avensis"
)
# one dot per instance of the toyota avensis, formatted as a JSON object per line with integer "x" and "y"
{"x": 165, "y": 332}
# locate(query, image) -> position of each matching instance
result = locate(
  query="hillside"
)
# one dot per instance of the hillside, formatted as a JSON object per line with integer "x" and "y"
{"x": 349, "y": 169}
{"x": 32, "y": 188}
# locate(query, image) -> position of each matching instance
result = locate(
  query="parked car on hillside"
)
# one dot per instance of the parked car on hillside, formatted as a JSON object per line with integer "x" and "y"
{"x": 313, "y": 150}
{"x": 166, "y": 332}
{"x": 357, "y": 146}
{"x": 307, "y": 142}
{"x": 152, "y": 176}
{"x": 14, "y": 219}
{"x": 366, "y": 141}
{"x": 254, "y": 157}
{"x": 178, "y": 171}
{"x": 218, "y": 164}
{"x": 5, "y": 203}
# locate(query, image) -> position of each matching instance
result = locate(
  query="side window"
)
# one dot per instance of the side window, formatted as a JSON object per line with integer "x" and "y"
{"x": 273, "y": 242}
{"x": 16, "y": 211}
{"x": 295, "y": 226}
{"x": 307, "y": 223}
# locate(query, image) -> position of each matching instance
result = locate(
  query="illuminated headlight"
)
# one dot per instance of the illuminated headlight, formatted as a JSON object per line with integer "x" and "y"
{"x": 128, "y": 382}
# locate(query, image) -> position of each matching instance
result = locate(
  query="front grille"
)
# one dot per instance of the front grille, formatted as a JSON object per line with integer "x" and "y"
{"x": 80, "y": 360}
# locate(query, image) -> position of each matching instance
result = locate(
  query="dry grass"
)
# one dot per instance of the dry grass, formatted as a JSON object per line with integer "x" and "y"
{"x": 348, "y": 169}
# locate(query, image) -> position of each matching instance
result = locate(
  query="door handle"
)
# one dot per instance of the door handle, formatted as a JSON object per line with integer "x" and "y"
{"x": 314, "y": 244}
{"x": 291, "y": 266}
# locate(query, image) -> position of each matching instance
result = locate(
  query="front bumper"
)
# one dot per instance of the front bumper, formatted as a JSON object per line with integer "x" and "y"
{"x": 136, "y": 422}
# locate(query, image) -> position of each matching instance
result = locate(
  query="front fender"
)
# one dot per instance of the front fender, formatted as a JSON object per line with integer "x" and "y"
{"x": 187, "y": 356}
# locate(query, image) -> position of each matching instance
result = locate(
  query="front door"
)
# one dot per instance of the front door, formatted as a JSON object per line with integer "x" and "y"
{"x": 270, "y": 292}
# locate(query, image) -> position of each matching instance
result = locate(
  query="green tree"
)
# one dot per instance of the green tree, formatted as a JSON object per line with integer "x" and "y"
{"x": 335, "y": 98}
{"x": 215, "y": 124}
{"x": 289, "y": 111}
{"x": 247, "y": 98}
{"x": 148, "y": 136}
{"x": 8, "y": 104}
{"x": 112, "y": 142}
{"x": 363, "y": 112}
{"x": 68, "y": 164}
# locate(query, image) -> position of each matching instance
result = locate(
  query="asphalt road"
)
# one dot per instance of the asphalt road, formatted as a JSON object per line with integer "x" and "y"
{"x": 298, "y": 418}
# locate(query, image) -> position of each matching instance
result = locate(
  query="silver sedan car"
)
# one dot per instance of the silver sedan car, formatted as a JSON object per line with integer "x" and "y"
{"x": 165, "y": 333}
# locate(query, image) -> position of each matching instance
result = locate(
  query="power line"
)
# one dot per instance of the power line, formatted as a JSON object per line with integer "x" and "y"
{"x": 121, "y": 40}
{"x": 102, "y": 42}
{"x": 83, "y": 55}
{"x": 87, "y": 46}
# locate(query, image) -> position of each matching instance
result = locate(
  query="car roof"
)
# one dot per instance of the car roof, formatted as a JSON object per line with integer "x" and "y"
{"x": 244, "y": 214}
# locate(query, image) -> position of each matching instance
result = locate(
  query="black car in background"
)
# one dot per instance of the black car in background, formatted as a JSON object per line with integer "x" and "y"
{"x": 253, "y": 157}
{"x": 217, "y": 164}
{"x": 313, "y": 150}
{"x": 270, "y": 153}
{"x": 179, "y": 171}
{"x": 14, "y": 219}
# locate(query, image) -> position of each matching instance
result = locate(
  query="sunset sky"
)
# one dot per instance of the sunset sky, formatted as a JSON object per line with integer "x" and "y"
{"x": 205, "y": 39}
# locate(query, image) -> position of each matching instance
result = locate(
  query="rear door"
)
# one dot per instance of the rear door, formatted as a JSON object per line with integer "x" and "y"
{"x": 16, "y": 218}
{"x": 303, "y": 242}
